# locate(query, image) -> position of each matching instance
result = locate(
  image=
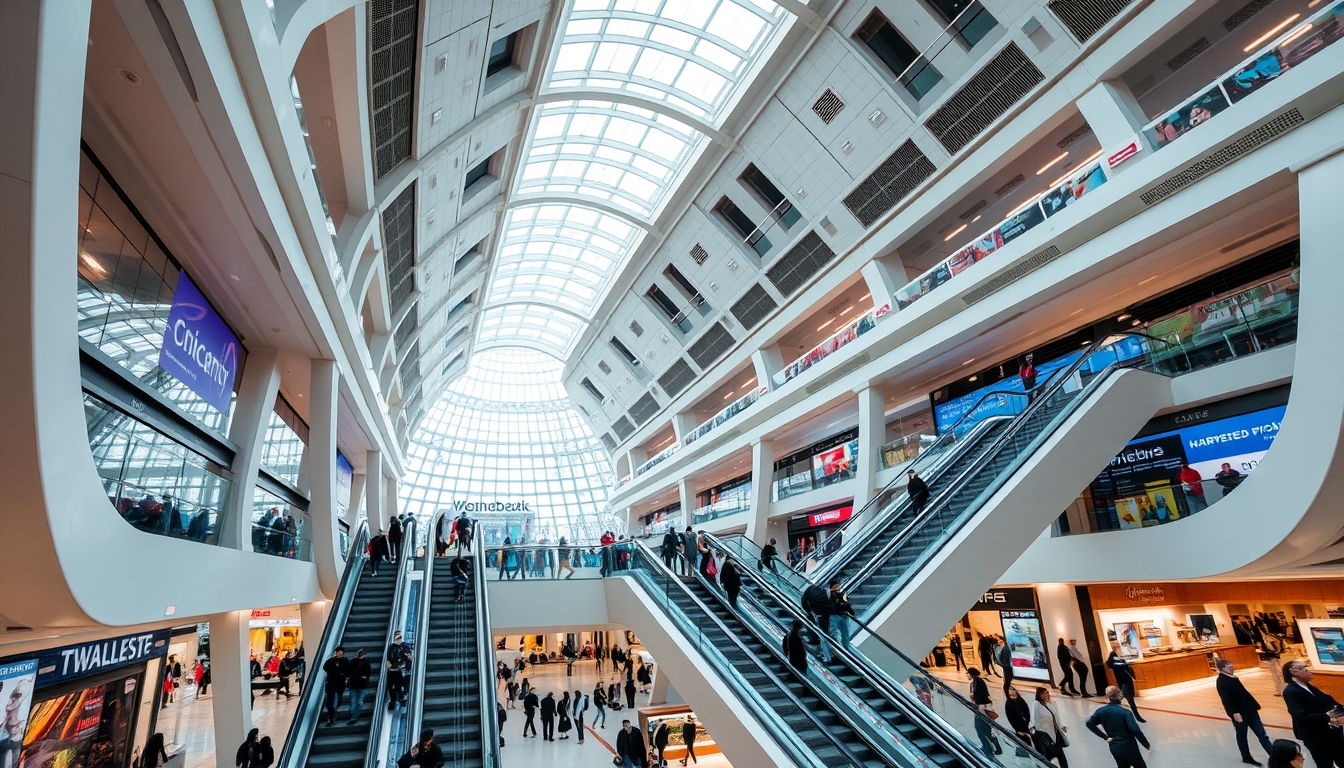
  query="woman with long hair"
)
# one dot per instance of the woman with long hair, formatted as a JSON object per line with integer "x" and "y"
{"x": 1285, "y": 753}
{"x": 1049, "y": 738}
{"x": 247, "y": 751}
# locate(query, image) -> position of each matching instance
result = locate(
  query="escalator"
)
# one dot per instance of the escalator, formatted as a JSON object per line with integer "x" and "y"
{"x": 455, "y": 695}
{"x": 362, "y": 615}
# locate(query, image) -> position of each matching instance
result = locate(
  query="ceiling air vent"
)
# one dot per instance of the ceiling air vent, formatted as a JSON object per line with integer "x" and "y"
{"x": 1245, "y": 12}
{"x": 1021, "y": 270}
{"x": 895, "y": 178}
{"x": 676, "y": 378}
{"x": 623, "y": 428}
{"x": 607, "y": 442}
{"x": 969, "y": 213}
{"x": 801, "y": 262}
{"x": 711, "y": 345}
{"x": 754, "y": 306}
{"x": 603, "y": 367}
{"x": 410, "y": 368}
{"x": 1191, "y": 51}
{"x": 1074, "y": 136}
{"x": 644, "y": 409}
{"x": 828, "y": 106}
{"x": 699, "y": 254}
{"x": 392, "y": 57}
{"x": 407, "y": 327}
{"x": 1192, "y": 173}
{"x": 636, "y": 328}
{"x": 398, "y": 220}
{"x": 1085, "y": 18}
{"x": 991, "y": 92}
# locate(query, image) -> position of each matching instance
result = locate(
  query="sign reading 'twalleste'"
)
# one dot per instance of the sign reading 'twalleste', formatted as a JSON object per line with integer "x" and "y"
{"x": 198, "y": 348}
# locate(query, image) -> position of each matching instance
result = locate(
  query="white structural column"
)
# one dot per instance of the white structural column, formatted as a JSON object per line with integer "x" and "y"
{"x": 762, "y": 478}
{"x": 687, "y": 494}
{"x": 251, "y": 416}
{"x": 324, "y": 384}
{"x": 682, "y": 424}
{"x": 373, "y": 490}
{"x": 1115, "y": 117}
{"x": 768, "y": 361}
{"x": 313, "y": 620}
{"x": 883, "y": 280}
{"x": 230, "y": 682}
{"x": 872, "y": 434}
{"x": 357, "y": 481}
{"x": 391, "y": 506}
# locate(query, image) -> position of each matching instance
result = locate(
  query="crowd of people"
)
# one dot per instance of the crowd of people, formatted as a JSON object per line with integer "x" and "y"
{"x": 276, "y": 533}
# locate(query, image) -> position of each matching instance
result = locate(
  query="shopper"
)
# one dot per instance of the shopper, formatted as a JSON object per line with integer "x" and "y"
{"x": 246, "y": 757}
{"x": 562, "y": 712}
{"x": 661, "y": 734}
{"x": 460, "y": 571}
{"x": 1049, "y": 736}
{"x": 629, "y": 693}
{"x": 154, "y": 755}
{"x": 1004, "y": 655}
{"x": 397, "y": 662}
{"x": 580, "y": 705}
{"x": 360, "y": 673}
{"x": 265, "y": 753}
{"x": 984, "y": 651}
{"x": 731, "y": 581}
{"x": 530, "y": 705}
{"x": 426, "y": 753}
{"x": 203, "y": 687}
{"x": 707, "y": 571}
{"x": 548, "y": 717}
{"x": 394, "y": 536}
{"x": 979, "y": 690}
{"x": 645, "y": 677}
{"x": 1286, "y": 753}
{"x": 1120, "y": 729}
{"x": 465, "y": 528}
{"x": 954, "y": 647}
{"x": 917, "y": 490}
{"x": 689, "y": 552}
{"x": 769, "y": 554}
{"x": 442, "y": 532}
{"x": 1124, "y": 678}
{"x": 1311, "y": 709}
{"x": 842, "y": 615}
{"x": 1079, "y": 665}
{"x": 1242, "y": 707}
{"x": 689, "y": 731}
{"x": 1228, "y": 478}
{"x": 286, "y": 670}
{"x": 630, "y": 747}
{"x": 795, "y": 647}
{"x": 817, "y": 602}
{"x": 1018, "y": 712}
{"x": 377, "y": 551}
{"x": 1065, "y": 660}
{"x": 671, "y": 544}
{"x": 1027, "y": 373}
{"x": 600, "y": 701}
{"x": 338, "y": 672}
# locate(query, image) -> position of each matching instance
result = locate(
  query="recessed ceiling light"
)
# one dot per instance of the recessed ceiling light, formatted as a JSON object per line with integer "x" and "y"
{"x": 234, "y": 278}
{"x": 1052, "y": 163}
{"x": 955, "y": 232}
{"x": 1282, "y": 25}
{"x": 973, "y": 378}
{"x": 1122, "y": 318}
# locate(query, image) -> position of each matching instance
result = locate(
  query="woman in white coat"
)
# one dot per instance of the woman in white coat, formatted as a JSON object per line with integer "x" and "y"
{"x": 1050, "y": 735}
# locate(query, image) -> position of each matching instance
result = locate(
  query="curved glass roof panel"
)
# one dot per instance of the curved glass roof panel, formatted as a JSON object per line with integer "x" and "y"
{"x": 622, "y": 155}
{"x": 535, "y": 326}
{"x": 562, "y": 255}
{"x": 690, "y": 54}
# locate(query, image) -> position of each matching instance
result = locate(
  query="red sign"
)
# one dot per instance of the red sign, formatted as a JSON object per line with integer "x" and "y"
{"x": 1131, "y": 149}
{"x": 830, "y": 516}
{"x": 882, "y": 310}
{"x": 261, "y": 614}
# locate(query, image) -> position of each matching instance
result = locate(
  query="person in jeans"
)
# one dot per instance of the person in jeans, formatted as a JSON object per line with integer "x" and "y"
{"x": 1193, "y": 486}
{"x": 461, "y": 573}
{"x": 1242, "y": 707}
{"x": 338, "y": 672}
{"x": 817, "y": 602}
{"x": 980, "y": 698}
{"x": 398, "y": 664}
{"x": 360, "y": 672}
{"x": 842, "y": 615}
{"x": 600, "y": 701}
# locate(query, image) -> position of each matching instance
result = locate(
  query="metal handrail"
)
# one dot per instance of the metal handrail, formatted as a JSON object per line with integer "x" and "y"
{"x": 785, "y": 737}
{"x": 415, "y": 699}
{"x": 399, "y": 600}
{"x": 300, "y": 738}
{"x": 878, "y": 677}
{"x": 485, "y": 667}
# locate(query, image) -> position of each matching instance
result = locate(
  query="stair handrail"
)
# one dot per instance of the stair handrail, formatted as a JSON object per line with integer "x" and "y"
{"x": 399, "y": 600}
{"x": 415, "y": 698}
{"x": 485, "y": 662}
{"x": 300, "y": 738}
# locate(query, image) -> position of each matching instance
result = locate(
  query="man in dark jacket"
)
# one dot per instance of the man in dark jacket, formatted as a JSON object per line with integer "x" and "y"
{"x": 394, "y": 536}
{"x": 660, "y": 737}
{"x": 397, "y": 662}
{"x": 817, "y": 601}
{"x": 460, "y": 570}
{"x": 689, "y": 552}
{"x": 1124, "y": 677}
{"x": 1310, "y": 708}
{"x": 377, "y": 550}
{"x": 464, "y": 527}
{"x": 630, "y": 747}
{"x": 530, "y": 705}
{"x": 1065, "y": 660}
{"x": 731, "y": 581}
{"x": 671, "y": 543}
{"x": 548, "y": 717}
{"x": 984, "y": 651}
{"x": 918, "y": 491}
{"x": 1118, "y": 727}
{"x": 360, "y": 673}
{"x": 769, "y": 553}
{"x": 338, "y": 672}
{"x": 1242, "y": 707}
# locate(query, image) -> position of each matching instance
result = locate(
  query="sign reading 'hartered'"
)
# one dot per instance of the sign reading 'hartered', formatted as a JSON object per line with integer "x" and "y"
{"x": 198, "y": 348}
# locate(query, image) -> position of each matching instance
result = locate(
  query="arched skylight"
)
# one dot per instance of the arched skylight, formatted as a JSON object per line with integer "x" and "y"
{"x": 535, "y": 326}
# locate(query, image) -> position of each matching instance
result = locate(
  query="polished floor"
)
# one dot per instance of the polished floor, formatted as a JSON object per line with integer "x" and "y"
{"x": 189, "y": 724}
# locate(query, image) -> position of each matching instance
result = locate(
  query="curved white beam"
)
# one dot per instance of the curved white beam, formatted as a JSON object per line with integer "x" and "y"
{"x": 554, "y": 95}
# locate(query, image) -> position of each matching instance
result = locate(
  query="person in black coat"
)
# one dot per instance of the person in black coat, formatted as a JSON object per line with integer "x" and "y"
{"x": 671, "y": 544}
{"x": 660, "y": 737}
{"x": 426, "y": 753}
{"x": 1065, "y": 661}
{"x": 338, "y": 673}
{"x": 984, "y": 650}
{"x": 265, "y": 753}
{"x": 1018, "y": 712}
{"x": 769, "y": 553}
{"x": 153, "y": 756}
{"x": 954, "y": 648}
{"x": 530, "y": 705}
{"x": 817, "y": 601}
{"x": 394, "y": 537}
{"x": 731, "y": 581}
{"x": 1124, "y": 677}
{"x": 1121, "y": 731}
{"x": 1311, "y": 710}
{"x": 1242, "y": 707}
{"x": 630, "y": 747}
{"x": 548, "y": 717}
{"x": 795, "y": 647}
{"x": 629, "y": 690}
{"x": 982, "y": 701}
{"x": 247, "y": 751}
{"x": 918, "y": 491}
{"x": 377, "y": 551}
{"x": 689, "y": 730}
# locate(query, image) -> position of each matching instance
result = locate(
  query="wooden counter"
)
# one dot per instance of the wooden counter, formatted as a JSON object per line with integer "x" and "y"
{"x": 1155, "y": 671}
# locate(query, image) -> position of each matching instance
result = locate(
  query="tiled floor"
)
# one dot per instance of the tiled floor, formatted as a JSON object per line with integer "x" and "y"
{"x": 196, "y": 732}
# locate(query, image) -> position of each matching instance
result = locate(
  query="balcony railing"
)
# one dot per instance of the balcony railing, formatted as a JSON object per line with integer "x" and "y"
{"x": 658, "y": 459}
{"x": 714, "y": 422}
{"x": 834, "y": 466}
{"x": 851, "y": 331}
{"x": 729, "y": 505}
{"x": 906, "y": 448}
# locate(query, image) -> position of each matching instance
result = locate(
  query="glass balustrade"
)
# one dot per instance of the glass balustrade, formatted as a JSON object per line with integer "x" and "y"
{"x": 907, "y": 448}
{"x": 662, "y": 456}
{"x": 851, "y": 331}
{"x": 279, "y": 528}
{"x": 717, "y": 420}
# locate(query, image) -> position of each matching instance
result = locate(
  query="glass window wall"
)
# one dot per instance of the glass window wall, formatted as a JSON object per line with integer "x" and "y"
{"x": 280, "y": 528}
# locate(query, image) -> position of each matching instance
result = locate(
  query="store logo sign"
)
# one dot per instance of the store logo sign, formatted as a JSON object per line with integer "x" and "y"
{"x": 1129, "y": 150}
{"x": 198, "y": 348}
{"x": 1145, "y": 594}
{"x": 71, "y": 661}
{"x": 490, "y": 506}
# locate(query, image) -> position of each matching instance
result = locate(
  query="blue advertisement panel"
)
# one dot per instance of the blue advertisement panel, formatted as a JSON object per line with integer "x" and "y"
{"x": 947, "y": 414}
{"x": 345, "y": 474}
{"x": 198, "y": 348}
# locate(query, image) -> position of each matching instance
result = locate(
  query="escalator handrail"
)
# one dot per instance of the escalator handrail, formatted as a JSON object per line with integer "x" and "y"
{"x": 1019, "y": 423}
{"x": 485, "y": 664}
{"x": 785, "y": 737}
{"x": 879, "y": 678}
{"x": 415, "y": 698}
{"x": 300, "y": 738}
{"x": 399, "y": 599}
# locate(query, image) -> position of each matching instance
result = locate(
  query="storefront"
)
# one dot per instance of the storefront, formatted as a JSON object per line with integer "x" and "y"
{"x": 89, "y": 705}
{"x": 274, "y": 632}
{"x": 807, "y": 532}
{"x": 830, "y": 461}
{"x": 726, "y": 498}
{"x": 676, "y": 716}
{"x": 1012, "y": 616}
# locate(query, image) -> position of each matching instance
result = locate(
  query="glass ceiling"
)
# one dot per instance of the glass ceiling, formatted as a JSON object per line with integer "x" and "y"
{"x": 643, "y": 74}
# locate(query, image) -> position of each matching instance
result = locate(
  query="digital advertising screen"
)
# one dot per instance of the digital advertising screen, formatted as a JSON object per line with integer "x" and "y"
{"x": 89, "y": 728}
{"x": 1329, "y": 642}
{"x": 1022, "y": 633}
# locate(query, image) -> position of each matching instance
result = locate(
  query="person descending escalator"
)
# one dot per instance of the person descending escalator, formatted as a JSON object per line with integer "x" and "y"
{"x": 769, "y": 553}
{"x": 338, "y": 673}
{"x": 731, "y": 581}
{"x": 918, "y": 491}
{"x": 795, "y": 647}
{"x": 397, "y": 661}
{"x": 425, "y": 754}
{"x": 464, "y": 528}
{"x": 817, "y": 602}
{"x": 460, "y": 571}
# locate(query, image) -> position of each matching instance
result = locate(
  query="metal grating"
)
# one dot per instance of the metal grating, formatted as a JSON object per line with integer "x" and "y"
{"x": 603, "y": 367}
{"x": 828, "y": 106}
{"x": 893, "y": 180}
{"x": 623, "y": 428}
{"x": 644, "y": 409}
{"x": 1074, "y": 136}
{"x": 984, "y": 98}
{"x": 1190, "y": 52}
{"x": 607, "y": 442}
{"x": 392, "y": 56}
{"x": 801, "y": 262}
{"x": 1195, "y": 171}
{"x": 399, "y": 248}
{"x": 676, "y": 378}
{"x": 1245, "y": 12}
{"x": 711, "y": 345}
{"x": 407, "y": 327}
{"x": 753, "y": 306}
{"x": 636, "y": 328}
{"x": 410, "y": 368}
{"x": 1021, "y": 270}
{"x": 1085, "y": 18}
{"x": 699, "y": 254}
{"x": 1011, "y": 184}
{"x": 969, "y": 213}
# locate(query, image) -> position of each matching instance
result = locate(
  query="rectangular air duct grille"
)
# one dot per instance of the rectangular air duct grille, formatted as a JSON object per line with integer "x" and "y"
{"x": 676, "y": 378}
{"x": 1010, "y": 185}
{"x": 410, "y": 368}
{"x": 754, "y": 306}
{"x": 607, "y": 442}
{"x": 699, "y": 254}
{"x": 1074, "y": 136}
{"x": 991, "y": 92}
{"x": 1184, "y": 57}
{"x": 1023, "y": 268}
{"x": 1198, "y": 170}
{"x": 969, "y": 213}
{"x": 644, "y": 408}
{"x": 893, "y": 180}
{"x": 392, "y": 56}
{"x": 1244, "y": 13}
{"x": 636, "y": 328}
{"x": 1085, "y": 18}
{"x": 399, "y": 248}
{"x": 408, "y": 326}
{"x": 623, "y": 428}
{"x": 801, "y": 262}
{"x": 711, "y": 345}
{"x": 828, "y": 106}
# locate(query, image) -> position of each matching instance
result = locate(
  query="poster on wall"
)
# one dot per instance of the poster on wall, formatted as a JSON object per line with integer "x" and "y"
{"x": 1127, "y": 634}
{"x": 1022, "y": 633}
{"x": 17, "y": 681}
{"x": 89, "y": 728}
{"x": 1206, "y": 628}
{"x": 198, "y": 347}
{"x": 1329, "y": 644}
